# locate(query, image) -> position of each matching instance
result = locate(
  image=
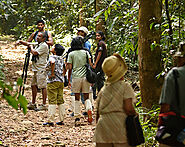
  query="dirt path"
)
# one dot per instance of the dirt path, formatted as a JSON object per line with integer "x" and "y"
{"x": 17, "y": 129}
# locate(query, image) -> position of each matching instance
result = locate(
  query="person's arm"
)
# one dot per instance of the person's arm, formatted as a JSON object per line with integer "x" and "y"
{"x": 64, "y": 70}
{"x": 50, "y": 40}
{"x": 97, "y": 59}
{"x": 90, "y": 63}
{"x": 34, "y": 52}
{"x": 22, "y": 42}
{"x": 128, "y": 107}
{"x": 52, "y": 70}
{"x": 31, "y": 37}
{"x": 164, "y": 108}
{"x": 69, "y": 67}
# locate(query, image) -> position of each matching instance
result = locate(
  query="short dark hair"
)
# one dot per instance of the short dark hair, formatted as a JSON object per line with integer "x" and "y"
{"x": 40, "y": 21}
{"x": 102, "y": 34}
{"x": 59, "y": 49}
{"x": 77, "y": 43}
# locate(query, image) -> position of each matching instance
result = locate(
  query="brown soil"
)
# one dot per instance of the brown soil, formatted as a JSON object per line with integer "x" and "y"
{"x": 17, "y": 129}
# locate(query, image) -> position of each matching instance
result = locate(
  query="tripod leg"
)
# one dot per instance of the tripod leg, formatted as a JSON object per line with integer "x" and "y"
{"x": 26, "y": 69}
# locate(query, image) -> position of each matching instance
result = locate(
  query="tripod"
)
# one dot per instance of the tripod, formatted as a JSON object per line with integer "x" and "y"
{"x": 25, "y": 70}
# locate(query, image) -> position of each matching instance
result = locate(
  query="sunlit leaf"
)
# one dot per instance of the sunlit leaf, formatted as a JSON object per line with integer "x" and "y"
{"x": 112, "y": 2}
{"x": 106, "y": 15}
{"x": 19, "y": 81}
{"x": 23, "y": 103}
{"x": 98, "y": 13}
{"x": 11, "y": 100}
{"x": 109, "y": 10}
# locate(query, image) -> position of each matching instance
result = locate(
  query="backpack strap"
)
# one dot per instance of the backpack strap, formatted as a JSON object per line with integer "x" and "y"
{"x": 47, "y": 36}
{"x": 35, "y": 35}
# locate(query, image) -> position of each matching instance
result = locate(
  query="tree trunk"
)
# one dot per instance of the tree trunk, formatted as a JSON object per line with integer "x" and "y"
{"x": 149, "y": 60}
{"x": 26, "y": 16}
{"x": 81, "y": 16}
{"x": 100, "y": 24}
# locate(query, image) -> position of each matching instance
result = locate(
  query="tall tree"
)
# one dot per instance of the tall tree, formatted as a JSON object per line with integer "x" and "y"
{"x": 100, "y": 24}
{"x": 81, "y": 15}
{"x": 150, "y": 66}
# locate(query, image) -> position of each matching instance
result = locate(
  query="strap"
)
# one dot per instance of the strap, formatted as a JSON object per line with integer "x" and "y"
{"x": 34, "y": 37}
{"x": 46, "y": 32}
{"x": 87, "y": 61}
{"x": 59, "y": 78}
{"x": 169, "y": 113}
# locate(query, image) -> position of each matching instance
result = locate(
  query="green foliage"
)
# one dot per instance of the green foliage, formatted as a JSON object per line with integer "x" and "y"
{"x": 13, "y": 98}
{"x": 148, "y": 119}
{"x": 122, "y": 29}
{"x": 23, "y": 103}
{"x": 168, "y": 46}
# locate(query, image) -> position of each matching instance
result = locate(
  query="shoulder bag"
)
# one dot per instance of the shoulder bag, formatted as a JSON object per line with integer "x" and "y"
{"x": 170, "y": 124}
{"x": 91, "y": 76}
{"x": 134, "y": 130}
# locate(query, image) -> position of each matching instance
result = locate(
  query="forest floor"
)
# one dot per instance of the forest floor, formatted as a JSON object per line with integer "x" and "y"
{"x": 17, "y": 129}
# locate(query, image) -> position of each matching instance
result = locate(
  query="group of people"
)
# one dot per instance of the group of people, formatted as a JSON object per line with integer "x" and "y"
{"x": 116, "y": 97}
{"x": 49, "y": 71}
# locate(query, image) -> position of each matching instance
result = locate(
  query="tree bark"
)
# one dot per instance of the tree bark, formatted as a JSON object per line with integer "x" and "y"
{"x": 81, "y": 16}
{"x": 150, "y": 64}
{"x": 100, "y": 24}
{"x": 26, "y": 17}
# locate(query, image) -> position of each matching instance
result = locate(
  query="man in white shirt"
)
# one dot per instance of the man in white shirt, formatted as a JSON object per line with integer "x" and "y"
{"x": 39, "y": 61}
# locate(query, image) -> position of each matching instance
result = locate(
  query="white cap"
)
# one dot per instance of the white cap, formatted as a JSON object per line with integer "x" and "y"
{"x": 84, "y": 29}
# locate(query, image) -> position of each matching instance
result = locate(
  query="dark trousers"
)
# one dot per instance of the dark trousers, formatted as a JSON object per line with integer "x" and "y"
{"x": 99, "y": 83}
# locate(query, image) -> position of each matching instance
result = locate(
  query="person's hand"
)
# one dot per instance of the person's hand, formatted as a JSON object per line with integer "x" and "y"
{"x": 94, "y": 66}
{"x": 17, "y": 43}
{"x": 69, "y": 85}
{"x": 51, "y": 76}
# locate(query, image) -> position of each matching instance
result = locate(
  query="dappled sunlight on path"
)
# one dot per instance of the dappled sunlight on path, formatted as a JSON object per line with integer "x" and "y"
{"x": 17, "y": 129}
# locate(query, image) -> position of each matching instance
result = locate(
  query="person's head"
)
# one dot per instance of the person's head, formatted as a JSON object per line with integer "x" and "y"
{"x": 41, "y": 37}
{"x": 114, "y": 68}
{"x": 58, "y": 50}
{"x": 77, "y": 43}
{"x": 100, "y": 36}
{"x": 40, "y": 25}
{"x": 82, "y": 31}
{"x": 179, "y": 57}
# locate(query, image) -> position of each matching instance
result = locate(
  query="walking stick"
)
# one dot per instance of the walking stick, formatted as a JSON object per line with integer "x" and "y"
{"x": 25, "y": 70}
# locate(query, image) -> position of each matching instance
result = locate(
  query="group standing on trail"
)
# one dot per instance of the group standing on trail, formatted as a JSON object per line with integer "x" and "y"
{"x": 114, "y": 98}
{"x": 74, "y": 65}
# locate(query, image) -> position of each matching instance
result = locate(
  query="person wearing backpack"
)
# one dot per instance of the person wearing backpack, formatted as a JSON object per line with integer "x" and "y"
{"x": 76, "y": 65}
{"x": 40, "y": 26}
{"x": 172, "y": 101}
{"x": 81, "y": 32}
